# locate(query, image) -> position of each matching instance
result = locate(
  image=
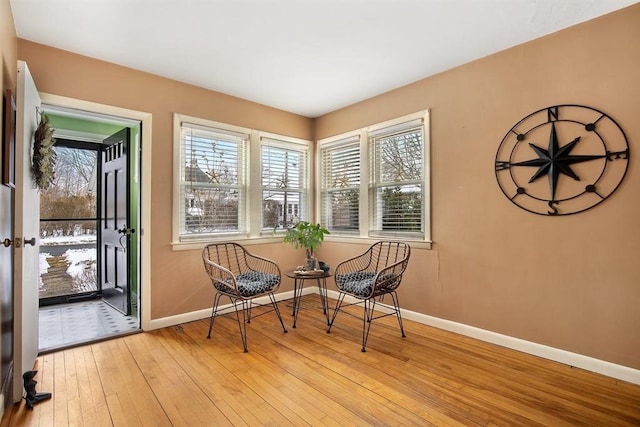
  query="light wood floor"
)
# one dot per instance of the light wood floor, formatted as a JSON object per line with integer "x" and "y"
{"x": 176, "y": 377}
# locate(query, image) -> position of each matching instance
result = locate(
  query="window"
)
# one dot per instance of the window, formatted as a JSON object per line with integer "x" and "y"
{"x": 285, "y": 178}
{"x": 233, "y": 182}
{"x": 374, "y": 181}
{"x": 213, "y": 184}
{"x": 340, "y": 185}
{"x": 396, "y": 180}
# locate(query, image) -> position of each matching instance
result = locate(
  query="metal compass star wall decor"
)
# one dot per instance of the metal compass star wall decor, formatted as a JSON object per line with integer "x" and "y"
{"x": 582, "y": 152}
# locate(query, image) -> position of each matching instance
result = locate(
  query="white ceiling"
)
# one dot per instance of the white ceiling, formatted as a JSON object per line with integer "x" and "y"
{"x": 308, "y": 57}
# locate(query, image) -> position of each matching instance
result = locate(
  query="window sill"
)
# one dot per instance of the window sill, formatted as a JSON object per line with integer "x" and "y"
{"x": 415, "y": 244}
{"x": 199, "y": 244}
{"x": 247, "y": 241}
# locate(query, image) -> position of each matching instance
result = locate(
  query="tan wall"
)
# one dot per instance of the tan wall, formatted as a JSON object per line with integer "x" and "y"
{"x": 8, "y": 47}
{"x": 178, "y": 281}
{"x": 568, "y": 282}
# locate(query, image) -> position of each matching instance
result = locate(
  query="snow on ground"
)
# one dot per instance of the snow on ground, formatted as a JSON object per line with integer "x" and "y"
{"x": 78, "y": 259}
{"x": 44, "y": 265}
{"x": 67, "y": 240}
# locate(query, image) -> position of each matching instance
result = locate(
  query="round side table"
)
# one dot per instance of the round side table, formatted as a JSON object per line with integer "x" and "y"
{"x": 298, "y": 284}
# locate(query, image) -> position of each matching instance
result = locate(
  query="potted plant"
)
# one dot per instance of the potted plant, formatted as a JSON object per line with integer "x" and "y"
{"x": 308, "y": 236}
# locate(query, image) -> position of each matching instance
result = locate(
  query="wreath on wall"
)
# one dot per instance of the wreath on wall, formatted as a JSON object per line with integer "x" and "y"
{"x": 44, "y": 158}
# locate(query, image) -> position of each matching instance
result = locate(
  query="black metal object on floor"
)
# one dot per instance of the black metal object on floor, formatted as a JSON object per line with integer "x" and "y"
{"x": 32, "y": 396}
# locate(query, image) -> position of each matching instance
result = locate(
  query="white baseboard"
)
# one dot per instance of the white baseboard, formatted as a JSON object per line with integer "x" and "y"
{"x": 609, "y": 369}
{"x": 202, "y": 314}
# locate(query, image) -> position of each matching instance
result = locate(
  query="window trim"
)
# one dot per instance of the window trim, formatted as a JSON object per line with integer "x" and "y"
{"x": 342, "y": 140}
{"x": 307, "y": 189}
{"x": 178, "y": 120}
{"x": 363, "y": 134}
{"x": 254, "y": 233}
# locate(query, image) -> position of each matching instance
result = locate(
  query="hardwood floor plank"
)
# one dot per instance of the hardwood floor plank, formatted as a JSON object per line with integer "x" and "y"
{"x": 542, "y": 417}
{"x": 336, "y": 411}
{"x": 353, "y": 357}
{"x": 91, "y": 394}
{"x": 19, "y": 415}
{"x": 60, "y": 391}
{"x": 71, "y": 389}
{"x": 118, "y": 413}
{"x": 332, "y": 360}
{"x": 224, "y": 389}
{"x": 523, "y": 382}
{"x": 258, "y": 377}
{"x": 292, "y": 391}
{"x": 168, "y": 380}
{"x": 110, "y": 360}
{"x": 318, "y": 377}
{"x": 134, "y": 387}
{"x": 45, "y": 378}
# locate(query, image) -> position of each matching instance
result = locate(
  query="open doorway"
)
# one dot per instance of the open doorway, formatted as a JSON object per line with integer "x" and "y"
{"x": 69, "y": 223}
{"x": 89, "y": 263}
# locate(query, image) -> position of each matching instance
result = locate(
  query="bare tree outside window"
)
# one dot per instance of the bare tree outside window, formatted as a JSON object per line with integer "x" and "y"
{"x": 401, "y": 157}
{"x": 283, "y": 182}
{"x": 72, "y": 194}
{"x": 398, "y": 197}
{"x": 68, "y": 225}
{"x": 402, "y": 162}
{"x": 380, "y": 170}
{"x": 235, "y": 181}
{"x": 212, "y": 187}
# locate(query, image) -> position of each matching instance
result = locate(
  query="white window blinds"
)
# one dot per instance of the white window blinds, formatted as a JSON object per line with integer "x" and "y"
{"x": 340, "y": 186}
{"x": 396, "y": 189}
{"x": 212, "y": 181}
{"x": 285, "y": 175}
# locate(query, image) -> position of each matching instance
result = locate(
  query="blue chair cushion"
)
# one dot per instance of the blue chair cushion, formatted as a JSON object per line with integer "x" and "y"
{"x": 359, "y": 283}
{"x": 250, "y": 284}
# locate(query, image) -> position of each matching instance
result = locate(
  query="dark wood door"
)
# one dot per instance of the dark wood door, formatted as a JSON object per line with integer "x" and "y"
{"x": 115, "y": 231}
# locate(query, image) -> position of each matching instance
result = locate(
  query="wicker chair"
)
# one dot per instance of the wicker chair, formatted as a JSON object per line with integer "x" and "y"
{"x": 242, "y": 277}
{"x": 370, "y": 276}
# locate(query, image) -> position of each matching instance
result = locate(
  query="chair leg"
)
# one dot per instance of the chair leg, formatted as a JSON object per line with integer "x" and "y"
{"x": 369, "y": 305}
{"x": 214, "y": 312}
{"x": 277, "y": 310}
{"x": 249, "y": 312}
{"x": 335, "y": 312}
{"x": 396, "y": 305}
{"x": 242, "y": 325}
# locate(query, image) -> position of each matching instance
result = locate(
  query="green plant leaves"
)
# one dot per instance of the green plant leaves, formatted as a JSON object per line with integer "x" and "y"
{"x": 306, "y": 235}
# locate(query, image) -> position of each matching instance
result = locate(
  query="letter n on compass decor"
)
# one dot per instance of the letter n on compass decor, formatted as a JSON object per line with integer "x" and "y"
{"x": 562, "y": 160}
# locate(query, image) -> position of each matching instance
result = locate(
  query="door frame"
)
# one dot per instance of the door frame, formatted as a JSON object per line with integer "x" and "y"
{"x": 145, "y": 186}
